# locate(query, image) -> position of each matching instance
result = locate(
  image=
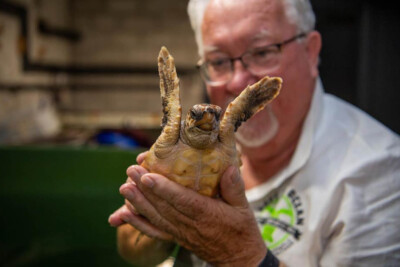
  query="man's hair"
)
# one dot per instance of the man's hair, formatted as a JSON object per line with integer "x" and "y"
{"x": 298, "y": 12}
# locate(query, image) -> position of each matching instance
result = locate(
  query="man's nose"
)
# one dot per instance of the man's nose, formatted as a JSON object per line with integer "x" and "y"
{"x": 241, "y": 77}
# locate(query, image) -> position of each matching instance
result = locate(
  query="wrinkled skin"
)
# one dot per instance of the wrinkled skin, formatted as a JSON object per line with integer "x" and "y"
{"x": 197, "y": 222}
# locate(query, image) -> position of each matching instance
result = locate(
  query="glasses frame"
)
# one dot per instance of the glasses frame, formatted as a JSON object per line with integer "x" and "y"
{"x": 202, "y": 65}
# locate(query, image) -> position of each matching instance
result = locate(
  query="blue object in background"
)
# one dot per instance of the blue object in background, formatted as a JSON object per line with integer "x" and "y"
{"x": 116, "y": 139}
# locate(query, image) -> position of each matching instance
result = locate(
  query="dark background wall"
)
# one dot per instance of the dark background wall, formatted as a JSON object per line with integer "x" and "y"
{"x": 360, "y": 55}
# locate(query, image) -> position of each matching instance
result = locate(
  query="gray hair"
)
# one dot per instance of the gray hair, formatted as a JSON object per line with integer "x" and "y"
{"x": 298, "y": 12}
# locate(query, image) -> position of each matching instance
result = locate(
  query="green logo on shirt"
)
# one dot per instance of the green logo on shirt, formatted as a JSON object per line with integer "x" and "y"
{"x": 279, "y": 220}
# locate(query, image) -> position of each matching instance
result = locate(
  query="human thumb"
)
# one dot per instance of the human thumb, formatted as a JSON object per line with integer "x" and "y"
{"x": 232, "y": 188}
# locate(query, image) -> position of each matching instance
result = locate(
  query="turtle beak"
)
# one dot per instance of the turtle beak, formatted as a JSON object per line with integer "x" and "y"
{"x": 207, "y": 122}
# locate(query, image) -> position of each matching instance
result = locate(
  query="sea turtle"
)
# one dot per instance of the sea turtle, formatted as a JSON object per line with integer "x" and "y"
{"x": 196, "y": 151}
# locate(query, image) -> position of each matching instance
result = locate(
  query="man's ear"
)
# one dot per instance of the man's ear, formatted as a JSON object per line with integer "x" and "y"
{"x": 314, "y": 44}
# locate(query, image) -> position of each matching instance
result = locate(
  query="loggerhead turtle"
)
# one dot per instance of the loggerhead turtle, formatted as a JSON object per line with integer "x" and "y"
{"x": 196, "y": 151}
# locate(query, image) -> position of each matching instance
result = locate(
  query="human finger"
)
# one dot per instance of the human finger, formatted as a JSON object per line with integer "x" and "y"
{"x": 141, "y": 156}
{"x": 143, "y": 225}
{"x": 115, "y": 218}
{"x": 135, "y": 172}
{"x": 185, "y": 200}
{"x": 144, "y": 207}
{"x": 127, "y": 203}
{"x": 163, "y": 207}
{"x": 131, "y": 207}
{"x": 129, "y": 180}
{"x": 232, "y": 188}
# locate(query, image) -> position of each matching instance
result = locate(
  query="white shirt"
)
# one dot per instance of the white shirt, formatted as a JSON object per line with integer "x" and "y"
{"x": 338, "y": 201}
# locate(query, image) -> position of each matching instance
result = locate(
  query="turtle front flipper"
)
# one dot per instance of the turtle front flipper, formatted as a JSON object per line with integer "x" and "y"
{"x": 251, "y": 100}
{"x": 169, "y": 86}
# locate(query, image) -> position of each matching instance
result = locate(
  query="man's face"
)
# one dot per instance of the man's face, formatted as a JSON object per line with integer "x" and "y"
{"x": 232, "y": 27}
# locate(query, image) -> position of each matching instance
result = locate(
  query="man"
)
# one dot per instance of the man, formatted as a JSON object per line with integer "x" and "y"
{"x": 320, "y": 181}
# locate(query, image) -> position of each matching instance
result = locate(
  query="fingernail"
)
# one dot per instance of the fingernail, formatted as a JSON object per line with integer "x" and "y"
{"x": 110, "y": 218}
{"x": 124, "y": 216}
{"x": 147, "y": 181}
{"x": 132, "y": 172}
{"x": 127, "y": 193}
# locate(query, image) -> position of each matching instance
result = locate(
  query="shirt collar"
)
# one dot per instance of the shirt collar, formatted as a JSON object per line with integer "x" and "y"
{"x": 302, "y": 152}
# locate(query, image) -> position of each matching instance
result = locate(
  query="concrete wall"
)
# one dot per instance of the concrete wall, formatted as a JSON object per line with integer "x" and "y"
{"x": 132, "y": 32}
{"x": 123, "y": 34}
{"x": 40, "y": 49}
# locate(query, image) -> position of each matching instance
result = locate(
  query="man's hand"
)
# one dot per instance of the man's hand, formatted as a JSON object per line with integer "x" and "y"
{"x": 220, "y": 231}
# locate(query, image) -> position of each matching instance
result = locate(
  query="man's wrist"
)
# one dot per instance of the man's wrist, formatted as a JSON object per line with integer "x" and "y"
{"x": 269, "y": 260}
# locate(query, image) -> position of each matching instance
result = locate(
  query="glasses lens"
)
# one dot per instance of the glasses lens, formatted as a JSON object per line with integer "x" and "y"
{"x": 217, "y": 71}
{"x": 262, "y": 60}
{"x": 259, "y": 61}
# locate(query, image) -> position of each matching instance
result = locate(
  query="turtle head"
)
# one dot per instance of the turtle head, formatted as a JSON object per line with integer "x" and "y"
{"x": 201, "y": 126}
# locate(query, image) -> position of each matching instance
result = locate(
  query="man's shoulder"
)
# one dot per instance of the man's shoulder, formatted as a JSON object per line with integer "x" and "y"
{"x": 349, "y": 142}
{"x": 348, "y": 124}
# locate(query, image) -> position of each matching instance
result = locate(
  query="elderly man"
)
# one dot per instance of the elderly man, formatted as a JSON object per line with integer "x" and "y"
{"x": 320, "y": 180}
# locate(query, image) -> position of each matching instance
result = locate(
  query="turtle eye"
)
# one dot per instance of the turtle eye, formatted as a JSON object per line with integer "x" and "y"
{"x": 210, "y": 110}
{"x": 193, "y": 114}
{"x": 217, "y": 115}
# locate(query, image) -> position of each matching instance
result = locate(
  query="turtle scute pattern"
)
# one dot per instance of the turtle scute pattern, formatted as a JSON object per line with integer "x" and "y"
{"x": 201, "y": 169}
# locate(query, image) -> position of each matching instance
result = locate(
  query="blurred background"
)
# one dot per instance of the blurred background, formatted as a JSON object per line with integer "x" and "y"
{"x": 79, "y": 98}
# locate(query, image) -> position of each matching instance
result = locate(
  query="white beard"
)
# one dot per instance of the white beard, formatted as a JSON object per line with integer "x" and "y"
{"x": 259, "y": 129}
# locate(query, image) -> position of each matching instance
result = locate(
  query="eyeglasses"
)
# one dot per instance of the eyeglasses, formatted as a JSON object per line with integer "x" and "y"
{"x": 257, "y": 61}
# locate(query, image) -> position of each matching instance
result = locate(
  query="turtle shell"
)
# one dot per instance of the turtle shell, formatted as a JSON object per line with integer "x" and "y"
{"x": 198, "y": 169}
{"x": 183, "y": 152}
